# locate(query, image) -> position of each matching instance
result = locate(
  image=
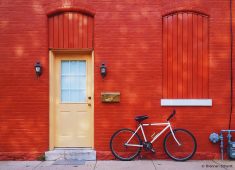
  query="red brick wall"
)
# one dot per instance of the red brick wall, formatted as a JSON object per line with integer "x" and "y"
{"x": 134, "y": 43}
{"x": 23, "y": 98}
{"x": 128, "y": 38}
{"x": 233, "y": 28}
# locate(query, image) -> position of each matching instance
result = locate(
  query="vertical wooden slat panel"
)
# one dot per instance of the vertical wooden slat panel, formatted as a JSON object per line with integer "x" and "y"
{"x": 71, "y": 37}
{"x": 75, "y": 29}
{"x": 90, "y": 32}
{"x": 56, "y": 32}
{"x": 205, "y": 58}
{"x": 194, "y": 65}
{"x": 190, "y": 55}
{"x": 185, "y": 52}
{"x": 170, "y": 58}
{"x": 185, "y": 56}
{"x": 51, "y": 32}
{"x": 71, "y": 30}
{"x": 200, "y": 71}
{"x": 61, "y": 31}
{"x": 180, "y": 53}
{"x": 80, "y": 30}
{"x": 66, "y": 30}
{"x": 85, "y": 28}
{"x": 174, "y": 54}
{"x": 165, "y": 68}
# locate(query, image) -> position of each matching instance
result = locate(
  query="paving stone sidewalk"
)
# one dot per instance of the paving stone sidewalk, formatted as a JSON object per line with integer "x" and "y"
{"x": 122, "y": 165}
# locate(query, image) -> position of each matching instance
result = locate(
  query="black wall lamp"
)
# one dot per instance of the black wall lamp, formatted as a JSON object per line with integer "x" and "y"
{"x": 103, "y": 70}
{"x": 38, "y": 68}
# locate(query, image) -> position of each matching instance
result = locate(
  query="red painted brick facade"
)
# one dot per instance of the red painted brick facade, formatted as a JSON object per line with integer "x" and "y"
{"x": 128, "y": 38}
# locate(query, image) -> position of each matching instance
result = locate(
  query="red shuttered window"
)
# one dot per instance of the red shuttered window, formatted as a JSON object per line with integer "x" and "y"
{"x": 185, "y": 56}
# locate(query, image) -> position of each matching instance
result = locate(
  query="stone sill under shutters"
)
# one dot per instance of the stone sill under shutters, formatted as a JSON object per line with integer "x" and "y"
{"x": 186, "y": 102}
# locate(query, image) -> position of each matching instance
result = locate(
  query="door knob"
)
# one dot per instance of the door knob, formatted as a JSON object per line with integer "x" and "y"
{"x": 89, "y": 97}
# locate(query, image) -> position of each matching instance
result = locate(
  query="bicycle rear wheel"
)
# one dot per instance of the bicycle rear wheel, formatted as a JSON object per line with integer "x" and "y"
{"x": 118, "y": 147}
{"x": 181, "y": 152}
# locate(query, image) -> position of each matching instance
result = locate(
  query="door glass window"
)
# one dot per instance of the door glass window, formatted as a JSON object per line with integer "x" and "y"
{"x": 73, "y": 81}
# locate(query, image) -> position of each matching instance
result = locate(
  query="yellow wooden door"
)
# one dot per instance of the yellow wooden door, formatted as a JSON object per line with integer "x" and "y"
{"x": 73, "y": 101}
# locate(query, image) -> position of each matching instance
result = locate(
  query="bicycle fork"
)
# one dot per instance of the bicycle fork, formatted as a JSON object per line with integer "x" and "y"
{"x": 174, "y": 136}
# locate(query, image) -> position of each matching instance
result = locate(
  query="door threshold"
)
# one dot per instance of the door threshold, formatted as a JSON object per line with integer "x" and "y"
{"x": 68, "y": 148}
{"x": 86, "y": 154}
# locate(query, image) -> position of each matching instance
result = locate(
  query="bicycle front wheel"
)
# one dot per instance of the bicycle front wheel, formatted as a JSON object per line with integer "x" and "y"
{"x": 185, "y": 150}
{"x": 119, "y": 148}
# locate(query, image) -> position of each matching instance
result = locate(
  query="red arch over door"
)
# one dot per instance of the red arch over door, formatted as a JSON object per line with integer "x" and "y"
{"x": 71, "y": 30}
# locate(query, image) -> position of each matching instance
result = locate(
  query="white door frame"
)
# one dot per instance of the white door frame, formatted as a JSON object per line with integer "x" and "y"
{"x": 52, "y": 55}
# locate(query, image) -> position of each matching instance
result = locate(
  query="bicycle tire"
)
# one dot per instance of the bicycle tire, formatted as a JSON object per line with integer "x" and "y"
{"x": 119, "y": 138}
{"x": 187, "y": 148}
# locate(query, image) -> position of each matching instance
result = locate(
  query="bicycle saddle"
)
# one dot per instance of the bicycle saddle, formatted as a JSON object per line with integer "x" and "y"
{"x": 141, "y": 118}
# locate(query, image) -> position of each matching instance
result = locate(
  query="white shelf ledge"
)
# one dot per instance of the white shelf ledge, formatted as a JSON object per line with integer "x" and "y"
{"x": 186, "y": 102}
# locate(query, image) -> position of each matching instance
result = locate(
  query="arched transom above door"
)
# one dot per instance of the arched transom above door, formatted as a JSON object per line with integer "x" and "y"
{"x": 71, "y": 30}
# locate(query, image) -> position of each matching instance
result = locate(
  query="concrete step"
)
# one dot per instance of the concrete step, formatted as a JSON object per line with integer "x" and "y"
{"x": 73, "y": 154}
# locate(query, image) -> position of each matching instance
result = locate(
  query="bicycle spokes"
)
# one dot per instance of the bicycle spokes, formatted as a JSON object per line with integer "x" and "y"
{"x": 180, "y": 152}
{"x": 119, "y": 145}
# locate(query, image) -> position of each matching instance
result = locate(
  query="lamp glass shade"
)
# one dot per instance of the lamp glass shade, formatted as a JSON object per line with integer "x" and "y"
{"x": 38, "y": 69}
{"x": 103, "y": 70}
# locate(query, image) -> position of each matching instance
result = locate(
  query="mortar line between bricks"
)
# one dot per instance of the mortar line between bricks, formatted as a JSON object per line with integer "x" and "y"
{"x": 37, "y": 165}
{"x": 154, "y": 165}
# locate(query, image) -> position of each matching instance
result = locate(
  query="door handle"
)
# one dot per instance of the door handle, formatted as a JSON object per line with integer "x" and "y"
{"x": 89, "y": 98}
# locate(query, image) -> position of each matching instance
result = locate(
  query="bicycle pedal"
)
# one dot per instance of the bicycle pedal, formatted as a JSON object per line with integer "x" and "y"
{"x": 153, "y": 151}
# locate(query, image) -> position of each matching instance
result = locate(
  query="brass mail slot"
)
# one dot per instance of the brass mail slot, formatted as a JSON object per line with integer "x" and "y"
{"x": 110, "y": 97}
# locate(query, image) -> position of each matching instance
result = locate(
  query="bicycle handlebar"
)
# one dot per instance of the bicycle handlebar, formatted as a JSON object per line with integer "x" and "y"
{"x": 172, "y": 114}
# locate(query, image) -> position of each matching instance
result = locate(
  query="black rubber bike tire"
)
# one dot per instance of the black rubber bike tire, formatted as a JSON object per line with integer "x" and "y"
{"x": 115, "y": 153}
{"x": 193, "y": 150}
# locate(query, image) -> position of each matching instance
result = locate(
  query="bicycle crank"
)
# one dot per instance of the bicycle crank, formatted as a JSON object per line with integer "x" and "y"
{"x": 148, "y": 147}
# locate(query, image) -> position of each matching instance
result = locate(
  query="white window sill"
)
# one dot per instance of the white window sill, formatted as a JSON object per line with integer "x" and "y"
{"x": 186, "y": 102}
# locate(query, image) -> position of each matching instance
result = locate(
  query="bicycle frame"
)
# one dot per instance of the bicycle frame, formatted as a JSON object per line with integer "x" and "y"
{"x": 167, "y": 126}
